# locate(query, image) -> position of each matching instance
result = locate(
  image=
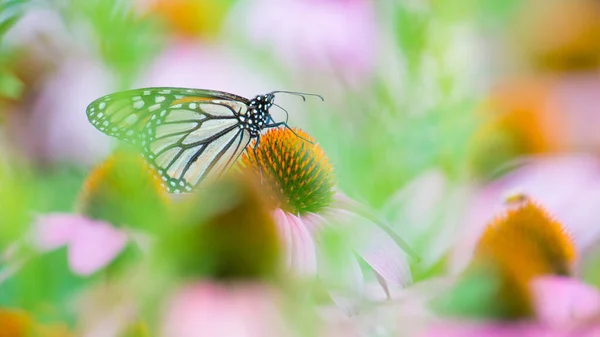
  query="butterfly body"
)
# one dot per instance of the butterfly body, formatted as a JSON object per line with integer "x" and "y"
{"x": 258, "y": 116}
{"x": 188, "y": 135}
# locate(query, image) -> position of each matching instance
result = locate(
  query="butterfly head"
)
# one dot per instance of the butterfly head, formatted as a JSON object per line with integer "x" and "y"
{"x": 262, "y": 102}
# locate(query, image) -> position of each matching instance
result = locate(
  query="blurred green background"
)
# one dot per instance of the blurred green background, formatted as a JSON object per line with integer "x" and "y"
{"x": 456, "y": 90}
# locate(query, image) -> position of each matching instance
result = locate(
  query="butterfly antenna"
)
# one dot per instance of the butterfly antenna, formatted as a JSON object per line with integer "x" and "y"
{"x": 287, "y": 116}
{"x": 301, "y": 94}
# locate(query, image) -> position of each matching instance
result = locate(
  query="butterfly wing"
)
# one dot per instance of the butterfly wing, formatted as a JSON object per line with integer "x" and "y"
{"x": 125, "y": 113}
{"x": 188, "y": 135}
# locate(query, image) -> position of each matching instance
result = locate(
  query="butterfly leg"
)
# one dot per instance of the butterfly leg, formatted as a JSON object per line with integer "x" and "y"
{"x": 274, "y": 125}
{"x": 254, "y": 148}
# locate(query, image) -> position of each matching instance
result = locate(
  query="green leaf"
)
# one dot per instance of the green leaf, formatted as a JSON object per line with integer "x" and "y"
{"x": 412, "y": 28}
{"x": 10, "y": 85}
{"x": 472, "y": 296}
{"x": 6, "y": 24}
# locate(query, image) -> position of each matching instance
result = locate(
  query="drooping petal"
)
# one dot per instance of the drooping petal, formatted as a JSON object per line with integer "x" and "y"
{"x": 54, "y": 230}
{"x": 343, "y": 202}
{"x": 96, "y": 244}
{"x": 303, "y": 250}
{"x": 560, "y": 300}
{"x": 379, "y": 250}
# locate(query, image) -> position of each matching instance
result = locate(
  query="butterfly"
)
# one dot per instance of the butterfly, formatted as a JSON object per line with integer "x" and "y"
{"x": 187, "y": 135}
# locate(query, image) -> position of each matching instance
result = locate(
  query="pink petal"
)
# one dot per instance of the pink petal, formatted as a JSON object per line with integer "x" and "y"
{"x": 55, "y": 230}
{"x": 560, "y": 300}
{"x": 314, "y": 223}
{"x": 95, "y": 245}
{"x": 490, "y": 329}
{"x": 303, "y": 250}
{"x": 214, "y": 310}
{"x": 286, "y": 234}
{"x": 188, "y": 313}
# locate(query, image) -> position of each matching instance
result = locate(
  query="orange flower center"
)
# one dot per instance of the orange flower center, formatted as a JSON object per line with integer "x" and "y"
{"x": 294, "y": 168}
{"x": 522, "y": 244}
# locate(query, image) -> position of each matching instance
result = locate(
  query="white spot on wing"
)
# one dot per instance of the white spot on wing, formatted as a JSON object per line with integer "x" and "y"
{"x": 130, "y": 119}
{"x": 138, "y": 104}
{"x": 154, "y": 107}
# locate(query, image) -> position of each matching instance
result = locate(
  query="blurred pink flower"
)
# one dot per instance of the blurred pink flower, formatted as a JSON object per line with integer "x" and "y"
{"x": 211, "y": 309}
{"x": 577, "y": 100}
{"x": 47, "y": 123}
{"x": 335, "y": 36}
{"x": 568, "y": 187}
{"x": 564, "y": 307}
{"x": 92, "y": 244}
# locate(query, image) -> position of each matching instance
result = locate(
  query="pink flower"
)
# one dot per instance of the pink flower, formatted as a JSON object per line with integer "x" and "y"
{"x": 48, "y": 123}
{"x": 211, "y": 309}
{"x": 567, "y": 186}
{"x": 308, "y": 207}
{"x": 92, "y": 244}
